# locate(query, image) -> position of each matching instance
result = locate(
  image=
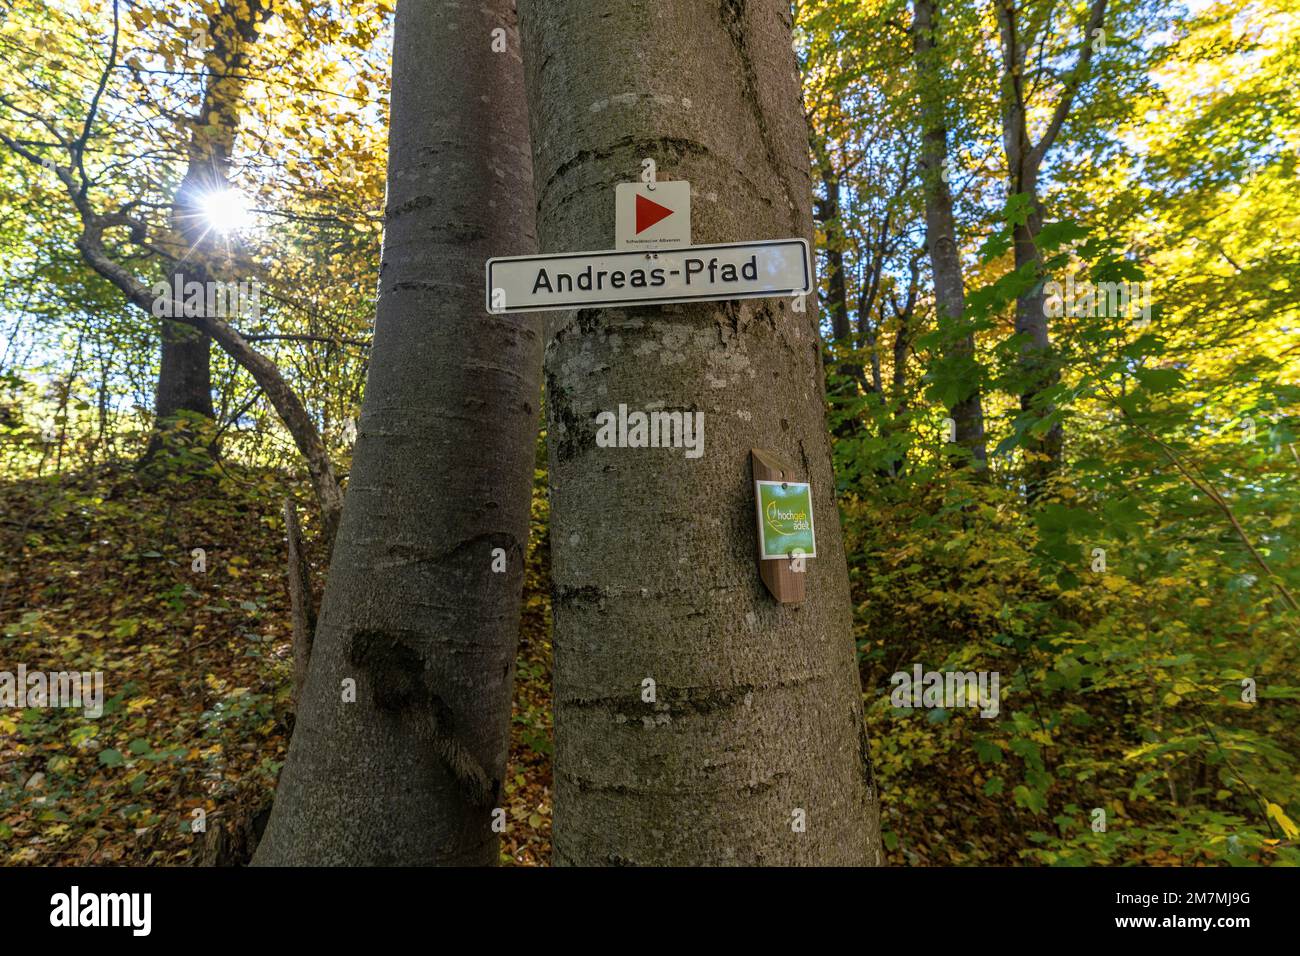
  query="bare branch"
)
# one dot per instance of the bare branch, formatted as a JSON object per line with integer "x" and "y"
{"x": 1072, "y": 83}
{"x": 78, "y": 146}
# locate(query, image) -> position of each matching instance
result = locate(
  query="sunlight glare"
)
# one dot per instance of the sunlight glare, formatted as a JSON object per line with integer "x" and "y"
{"x": 226, "y": 211}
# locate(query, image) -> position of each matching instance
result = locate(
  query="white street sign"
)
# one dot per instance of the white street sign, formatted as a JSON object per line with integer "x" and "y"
{"x": 652, "y": 215}
{"x": 584, "y": 280}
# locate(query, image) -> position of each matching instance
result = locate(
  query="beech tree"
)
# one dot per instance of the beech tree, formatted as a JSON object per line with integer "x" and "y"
{"x": 399, "y": 751}
{"x": 941, "y": 235}
{"x": 697, "y": 721}
{"x": 1023, "y": 29}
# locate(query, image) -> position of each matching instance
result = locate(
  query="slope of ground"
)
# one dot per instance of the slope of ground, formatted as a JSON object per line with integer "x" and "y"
{"x": 101, "y": 574}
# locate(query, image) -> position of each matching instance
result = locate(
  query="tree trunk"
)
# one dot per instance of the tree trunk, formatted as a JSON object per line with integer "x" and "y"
{"x": 844, "y": 385}
{"x": 941, "y": 226}
{"x": 1038, "y": 367}
{"x": 414, "y": 610}
{"x": 302, "y": 602}
{"x": 828, "y": 212}
{"x": 184, "y": 377}
{"x": 756, "y": 720}
{"x": 184, "y": 371}
{"x": 1037, "y": 363}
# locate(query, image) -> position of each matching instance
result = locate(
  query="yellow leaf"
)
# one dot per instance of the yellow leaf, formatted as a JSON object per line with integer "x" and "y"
{"x": 1285, "y": 822}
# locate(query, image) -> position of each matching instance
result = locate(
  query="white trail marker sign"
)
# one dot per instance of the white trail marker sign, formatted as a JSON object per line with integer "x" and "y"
{"x": 652, "y": 216}
{"x": 586, "y": 280}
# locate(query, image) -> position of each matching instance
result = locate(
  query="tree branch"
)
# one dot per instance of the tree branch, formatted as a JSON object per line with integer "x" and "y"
{"x": 1071, "y": 84}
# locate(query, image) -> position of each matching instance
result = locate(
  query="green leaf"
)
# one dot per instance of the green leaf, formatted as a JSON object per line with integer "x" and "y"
{"x": 1029, "y": 799}
{"x": 1159, "y": 379}
{"x": 988, "y": 751}
{"x": 1056, "y": 234}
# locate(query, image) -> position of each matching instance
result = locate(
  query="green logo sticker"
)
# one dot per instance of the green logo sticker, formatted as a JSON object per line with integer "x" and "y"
{"x": 785, "y": 520}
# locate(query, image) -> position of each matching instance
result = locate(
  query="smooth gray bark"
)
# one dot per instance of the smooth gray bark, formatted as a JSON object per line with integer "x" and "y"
{"x": 442, "y": 476}
{"x": 758, "y": 706}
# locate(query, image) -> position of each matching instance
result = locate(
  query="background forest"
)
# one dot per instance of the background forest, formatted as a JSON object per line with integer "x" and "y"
{"x": 1093, "y": 496}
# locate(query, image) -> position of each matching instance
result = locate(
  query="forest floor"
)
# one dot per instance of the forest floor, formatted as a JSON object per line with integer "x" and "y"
{"x": 100, "y": 574}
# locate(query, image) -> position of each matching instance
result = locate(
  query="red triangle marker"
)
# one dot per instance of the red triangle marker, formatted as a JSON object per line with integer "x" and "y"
{"x": 649, "y": 212}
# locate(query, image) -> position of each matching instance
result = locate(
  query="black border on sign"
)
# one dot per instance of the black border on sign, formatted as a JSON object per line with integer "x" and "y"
{"x": 658, "y": 300}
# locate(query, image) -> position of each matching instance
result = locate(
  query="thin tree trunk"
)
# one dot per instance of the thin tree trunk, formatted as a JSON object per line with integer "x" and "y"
{"x": 756, "y": 722}
{"x": 904, "y": 315}
{"x": 905, "y": 331}
{"x": 65, "y": 398}
{"x": 1037, "y": 371}
{"x": 1038, "y": 366}
{"x": 850, "y": 375}
{"x": 440, "y": 491}
{"x": 302, "y": 602}
{"x": 1037, "y": 363}
{"x": 941, "y": 225}
{"x": 102, "y": 447}
{"x": 828, "y": 212}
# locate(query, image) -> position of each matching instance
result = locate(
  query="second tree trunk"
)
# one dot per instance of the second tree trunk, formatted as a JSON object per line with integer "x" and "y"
{"x": 749, "y": 745}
